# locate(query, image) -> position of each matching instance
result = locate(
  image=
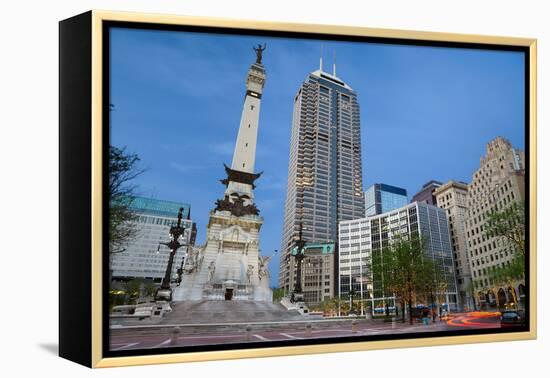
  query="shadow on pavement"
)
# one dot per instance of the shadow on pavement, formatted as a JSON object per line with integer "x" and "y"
{"x": 52, "y": 348}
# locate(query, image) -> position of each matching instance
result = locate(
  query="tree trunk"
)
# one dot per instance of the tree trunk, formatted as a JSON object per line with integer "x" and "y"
{"x": 410, "y": 309}
{"x": 433, "y": 307}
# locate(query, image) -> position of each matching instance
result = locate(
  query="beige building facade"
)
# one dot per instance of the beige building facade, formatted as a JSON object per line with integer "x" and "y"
{"x": 453, "y": 198}
{"x": 498, "y": 183}
{"x": 318, "y": 272}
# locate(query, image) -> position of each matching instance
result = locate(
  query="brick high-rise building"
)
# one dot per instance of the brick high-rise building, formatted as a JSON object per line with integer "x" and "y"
{"x": 426, "y": 194}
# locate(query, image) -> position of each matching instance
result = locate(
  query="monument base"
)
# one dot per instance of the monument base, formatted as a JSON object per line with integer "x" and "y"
{"x": 163, "y": 295}
{"x": 162, "y": 308}
{"x": 297, "y": 304}
{"x": 229, "y": 265}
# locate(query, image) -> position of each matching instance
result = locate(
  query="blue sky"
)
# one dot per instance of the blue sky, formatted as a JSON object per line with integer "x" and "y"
{"x": 426, "y": 112}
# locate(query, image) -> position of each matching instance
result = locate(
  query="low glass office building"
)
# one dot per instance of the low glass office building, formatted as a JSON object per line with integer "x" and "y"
{"x": 144, "y": 256}
{"x": 360, "y": 239}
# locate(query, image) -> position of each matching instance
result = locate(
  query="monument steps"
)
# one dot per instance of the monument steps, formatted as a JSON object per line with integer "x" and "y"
{"x": 230, "y": 311}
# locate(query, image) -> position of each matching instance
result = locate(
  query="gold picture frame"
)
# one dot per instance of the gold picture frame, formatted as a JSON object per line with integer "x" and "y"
{"x": 91, "y": 329}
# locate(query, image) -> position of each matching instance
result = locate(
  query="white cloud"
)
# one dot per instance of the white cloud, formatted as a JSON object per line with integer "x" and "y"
{"x": 186, "y": 167}
{"x": 224, "y": 148}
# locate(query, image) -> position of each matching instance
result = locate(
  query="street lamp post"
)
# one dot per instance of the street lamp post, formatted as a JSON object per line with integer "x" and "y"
{"x": 297, "y": 293}
{"x": 165, "y": 291}
{"x": 362, "y": 306}
{"x": 473, "y": 294}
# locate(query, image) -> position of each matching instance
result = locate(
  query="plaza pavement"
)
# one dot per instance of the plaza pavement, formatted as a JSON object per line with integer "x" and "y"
{"x": 151, "y": 337}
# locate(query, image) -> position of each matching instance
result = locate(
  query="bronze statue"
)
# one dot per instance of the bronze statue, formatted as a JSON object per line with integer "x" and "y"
{"x": 259, "y": 50}
{"x": 237, "y": 206}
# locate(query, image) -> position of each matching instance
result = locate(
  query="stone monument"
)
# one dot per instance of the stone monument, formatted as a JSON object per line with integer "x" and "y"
{"x": 229, "y": 265}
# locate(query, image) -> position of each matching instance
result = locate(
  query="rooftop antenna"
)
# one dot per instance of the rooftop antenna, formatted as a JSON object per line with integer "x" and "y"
{"x": 321, "y": 59}
{"x": 334, "y": 63}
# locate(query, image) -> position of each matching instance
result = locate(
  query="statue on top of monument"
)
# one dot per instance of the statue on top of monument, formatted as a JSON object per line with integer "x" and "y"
{"x": 259, "y": 51}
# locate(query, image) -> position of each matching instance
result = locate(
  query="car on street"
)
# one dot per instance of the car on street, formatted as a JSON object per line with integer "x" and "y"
{"x": 512, "y": 318}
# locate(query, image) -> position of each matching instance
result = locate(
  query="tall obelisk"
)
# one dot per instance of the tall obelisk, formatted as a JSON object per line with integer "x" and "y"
{"x": 229, "y": 266}
{"x": 245, "y": 148}
{"x": 241, "y": 175}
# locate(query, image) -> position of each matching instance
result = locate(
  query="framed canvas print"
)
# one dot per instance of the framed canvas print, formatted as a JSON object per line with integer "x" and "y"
{"x": 234, "y": 189}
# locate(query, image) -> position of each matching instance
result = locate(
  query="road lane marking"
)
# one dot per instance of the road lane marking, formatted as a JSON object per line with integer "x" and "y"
{"x": 124, "y": 346}
{"x": 207, "y": 336}
{"x": 162, "y": 344}
{"x": 261, "y": 338}
{"x": 289, "y": 336}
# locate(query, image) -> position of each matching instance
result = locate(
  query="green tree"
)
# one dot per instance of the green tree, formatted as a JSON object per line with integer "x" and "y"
{"x": 402, "y": 266}
{"x": 123, "y": 169}
{"x": 116, "y": 297}
{"x": 278, "y": 294}
{"x": 132, "y": 290}
{"x": 149, "y": 289}
{"x": 383, "y": 265}
{"x": 433, "y": 283}
{"x": 508, "y": 224}
{"x": 331, "y": 306}
{"x": 508, "y": 273}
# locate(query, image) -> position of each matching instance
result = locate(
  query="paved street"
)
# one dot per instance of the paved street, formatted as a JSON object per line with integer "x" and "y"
{"x": 126, "y": 339}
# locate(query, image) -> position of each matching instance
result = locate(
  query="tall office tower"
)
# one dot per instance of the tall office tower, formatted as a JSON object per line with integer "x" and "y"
{"x": 142, "y": 257}
{"x": 381, "y": 198}
{"x": 324, "y": 172}
{"x": 426, "y": 194}
{"x": 452, "y": 196}
{"x": 499, "y": 182}
{"x": 361, "y": 239}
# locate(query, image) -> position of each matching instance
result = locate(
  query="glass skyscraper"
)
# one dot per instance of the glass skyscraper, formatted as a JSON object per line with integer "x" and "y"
{"x": 381, "y": 198}
{"x": 142, "y": 257}
{"x": 324, "y": 172}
